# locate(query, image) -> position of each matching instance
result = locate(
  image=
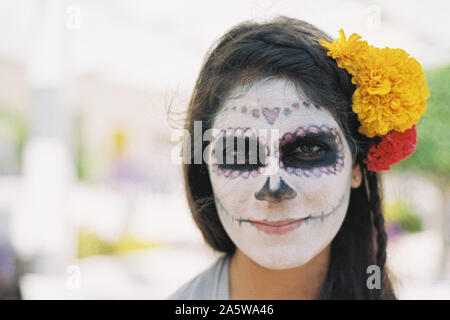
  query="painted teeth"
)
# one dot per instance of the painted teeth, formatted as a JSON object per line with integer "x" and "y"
{"x": 316, "y": 172}
{"x": 287, "y": 137}
{"x": 235, "y": 174}
{"x": 313, "y": 129}
{"x": 324, "y": 170}
{"x": 300, "y": 131}
{"x": 337, "y": 140}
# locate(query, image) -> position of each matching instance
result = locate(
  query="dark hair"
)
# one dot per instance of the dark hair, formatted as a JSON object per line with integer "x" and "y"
{"x": 289, "y": 48}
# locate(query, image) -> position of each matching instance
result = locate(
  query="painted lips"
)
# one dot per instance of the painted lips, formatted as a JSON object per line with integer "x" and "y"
{"x": 278, "y": 227}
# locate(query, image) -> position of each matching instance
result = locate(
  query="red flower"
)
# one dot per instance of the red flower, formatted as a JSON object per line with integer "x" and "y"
{"x": 393, "y": 148}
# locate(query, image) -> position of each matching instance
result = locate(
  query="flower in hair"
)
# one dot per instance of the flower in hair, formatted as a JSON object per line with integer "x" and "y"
{"x": 393, "y": 148}
{"x": 389, "y": 99}
{"x": 391, "y": 90}
{"x": 349, "y": 53}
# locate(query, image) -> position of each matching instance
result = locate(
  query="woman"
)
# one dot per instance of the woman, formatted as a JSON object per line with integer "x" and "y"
{"x": 302, "y": 220}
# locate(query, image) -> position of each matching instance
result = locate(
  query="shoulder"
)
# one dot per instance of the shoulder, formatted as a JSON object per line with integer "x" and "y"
{"x": 210, "y": 284}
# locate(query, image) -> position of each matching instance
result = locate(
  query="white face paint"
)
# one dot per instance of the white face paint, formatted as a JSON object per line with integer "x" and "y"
{"x": 283, "y": 218}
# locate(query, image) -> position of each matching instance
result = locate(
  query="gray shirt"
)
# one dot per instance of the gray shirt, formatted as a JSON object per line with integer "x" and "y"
{"x": 211, "y": 284}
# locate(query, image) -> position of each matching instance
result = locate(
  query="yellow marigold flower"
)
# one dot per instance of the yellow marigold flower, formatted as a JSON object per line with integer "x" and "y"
{"x": 391, "y": 90}
{"x": 349, "y": 53}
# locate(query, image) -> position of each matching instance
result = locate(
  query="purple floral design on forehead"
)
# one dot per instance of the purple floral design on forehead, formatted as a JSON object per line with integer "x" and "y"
{"x": 271, "y": 114}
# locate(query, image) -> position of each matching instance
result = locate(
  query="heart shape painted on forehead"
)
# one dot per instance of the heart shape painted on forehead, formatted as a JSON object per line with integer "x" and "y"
{"x": 271, "y": 115}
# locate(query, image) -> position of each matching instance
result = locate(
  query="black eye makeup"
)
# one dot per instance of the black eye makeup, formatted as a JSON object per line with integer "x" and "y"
{"x": 311, "y": 151}
{"x": 241, "y": 153}
{"x": 238, "y": 152}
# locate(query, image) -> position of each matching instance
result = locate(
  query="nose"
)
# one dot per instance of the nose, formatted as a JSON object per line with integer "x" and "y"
{"x": 275, "y": 195}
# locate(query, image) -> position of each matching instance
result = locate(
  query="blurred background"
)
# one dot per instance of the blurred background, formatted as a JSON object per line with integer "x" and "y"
{"x": 91, "y": 205}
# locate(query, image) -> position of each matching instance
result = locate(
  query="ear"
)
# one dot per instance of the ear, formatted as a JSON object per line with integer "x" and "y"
{"x": 356, "y": 178}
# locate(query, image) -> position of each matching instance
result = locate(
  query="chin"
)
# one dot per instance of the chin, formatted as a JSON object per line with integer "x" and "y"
{"x": 279, "y": 259}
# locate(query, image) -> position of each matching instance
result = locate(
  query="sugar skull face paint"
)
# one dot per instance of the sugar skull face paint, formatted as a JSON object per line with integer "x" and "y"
{"x": 285, "y": 218}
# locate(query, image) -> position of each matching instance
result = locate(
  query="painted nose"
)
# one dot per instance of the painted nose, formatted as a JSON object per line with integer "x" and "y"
{"x": 282, "y": 192}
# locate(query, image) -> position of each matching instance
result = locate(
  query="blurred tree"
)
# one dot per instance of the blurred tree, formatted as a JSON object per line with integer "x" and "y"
{"x": 403, "y": 214}
{"x": 90, "y": 244}
{"x": 432, "y": 156}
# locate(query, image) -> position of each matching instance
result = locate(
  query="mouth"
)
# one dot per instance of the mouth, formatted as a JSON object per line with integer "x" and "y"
{"x": 278, "y": 227}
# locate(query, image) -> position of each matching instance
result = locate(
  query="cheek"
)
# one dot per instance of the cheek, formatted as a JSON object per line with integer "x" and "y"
{"x": 238, "y": 191}
{"x": 322, "y": 189}
{"x": 320, "y": 194}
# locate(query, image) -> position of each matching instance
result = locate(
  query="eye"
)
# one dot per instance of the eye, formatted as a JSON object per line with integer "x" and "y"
{"x": 240, "y": 153}
{"x": 309, "y": 151}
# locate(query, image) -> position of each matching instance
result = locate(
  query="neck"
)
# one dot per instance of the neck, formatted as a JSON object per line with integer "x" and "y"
{"x": 248, "y": 280}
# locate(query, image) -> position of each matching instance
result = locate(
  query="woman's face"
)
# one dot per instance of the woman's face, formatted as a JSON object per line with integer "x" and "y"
{"x": 280, "y": 199}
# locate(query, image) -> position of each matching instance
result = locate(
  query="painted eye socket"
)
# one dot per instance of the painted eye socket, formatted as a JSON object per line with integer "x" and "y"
{"x": 241, "y": 153}
{"x": 309, "y": 152}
